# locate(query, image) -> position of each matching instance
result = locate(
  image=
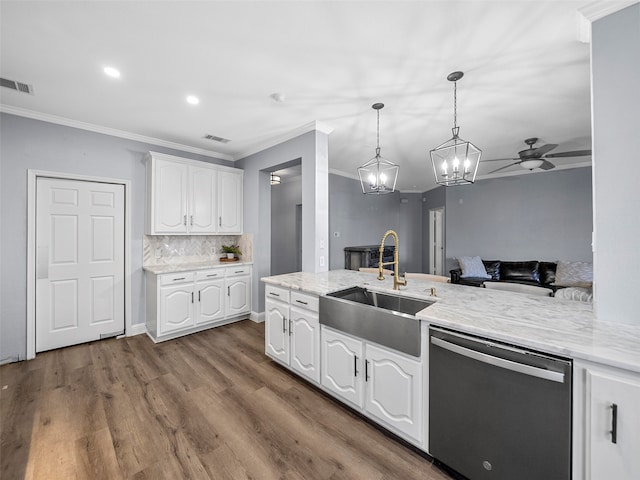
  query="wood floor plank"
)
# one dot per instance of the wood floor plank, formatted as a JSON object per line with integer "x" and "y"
{"x": 207, "y": 405}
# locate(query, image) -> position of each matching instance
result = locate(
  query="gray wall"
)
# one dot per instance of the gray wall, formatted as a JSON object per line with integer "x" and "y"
{"x": 541, "y": 216}
{"x": 32, "y": 144}
{"x": 431, "y": 199}
{"x": 362, "y": 220}
{"x": 284, "y": 198}
{"x": 615, "y": 70}
{"x": 311, "y": 150}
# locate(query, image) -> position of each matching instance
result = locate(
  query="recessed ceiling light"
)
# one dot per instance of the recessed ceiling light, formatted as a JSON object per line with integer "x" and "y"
{"x": 112, "y": 72}
{"x": 278, "y": 97}
{"x": 193, "y": 100}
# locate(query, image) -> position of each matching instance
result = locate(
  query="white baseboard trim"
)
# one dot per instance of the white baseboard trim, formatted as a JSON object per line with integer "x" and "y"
{"x": 257, "y": 317}
{"x": 137, "y": 329}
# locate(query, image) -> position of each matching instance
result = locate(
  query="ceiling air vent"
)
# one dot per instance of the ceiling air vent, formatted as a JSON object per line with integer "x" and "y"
{"x": 215, "y": 138}
{"x": 18, "y": 86}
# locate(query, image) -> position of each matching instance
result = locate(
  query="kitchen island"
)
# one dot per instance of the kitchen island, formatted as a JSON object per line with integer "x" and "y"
{"x": 605, "y": 355}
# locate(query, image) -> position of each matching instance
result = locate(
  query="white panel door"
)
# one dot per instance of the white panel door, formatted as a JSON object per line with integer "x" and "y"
{"x": 202, "y": 200}
{"x": 341, "y": 370}
{"x": 80, "y": 262}
{"x": 170, "y": 201}
{"x": 211, "y": 304}
{"x": 394, "y": 390}
{"x": 229, "y": 202}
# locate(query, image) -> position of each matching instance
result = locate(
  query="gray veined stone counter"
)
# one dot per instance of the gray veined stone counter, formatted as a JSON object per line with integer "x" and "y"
{"x": 563, "y": 327}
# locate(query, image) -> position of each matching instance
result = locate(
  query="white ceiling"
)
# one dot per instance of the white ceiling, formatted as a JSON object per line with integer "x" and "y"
{"x": 526, "y": 74}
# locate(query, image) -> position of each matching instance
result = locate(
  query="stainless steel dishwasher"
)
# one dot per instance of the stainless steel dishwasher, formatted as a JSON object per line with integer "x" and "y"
{"x": 498, "y": 412}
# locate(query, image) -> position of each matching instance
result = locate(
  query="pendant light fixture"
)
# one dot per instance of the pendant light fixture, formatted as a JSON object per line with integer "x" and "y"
{"x": 275, "y": 179}
{"x": 455, "y": 162}
{"x": 378, "y": 176}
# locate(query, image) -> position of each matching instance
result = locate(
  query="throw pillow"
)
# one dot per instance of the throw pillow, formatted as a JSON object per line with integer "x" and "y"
{"x": 472, "y": 267}
{"x": 574, "y": 274}
{"x": 575, "y": 293}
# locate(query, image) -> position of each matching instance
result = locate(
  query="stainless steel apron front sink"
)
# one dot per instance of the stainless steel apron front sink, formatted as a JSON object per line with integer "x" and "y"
{"x": 382, "y": 318}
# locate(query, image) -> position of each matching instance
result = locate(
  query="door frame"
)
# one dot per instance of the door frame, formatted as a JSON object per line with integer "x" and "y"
{"x": 433, "y": 213}
{"x": 32, "y": 176}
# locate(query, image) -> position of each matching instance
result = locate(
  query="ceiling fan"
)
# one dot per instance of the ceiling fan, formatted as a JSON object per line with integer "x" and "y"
{"x": 531, "y": 157}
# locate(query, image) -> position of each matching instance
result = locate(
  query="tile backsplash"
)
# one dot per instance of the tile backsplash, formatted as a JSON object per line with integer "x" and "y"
{"x": 174, "y": 249}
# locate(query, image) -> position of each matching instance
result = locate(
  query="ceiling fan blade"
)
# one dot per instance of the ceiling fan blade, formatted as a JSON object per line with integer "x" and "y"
{"x": 575, "y": 153}
{"x": 543, "y": 149}
{"x": 546, "y": 165}
{"x": 502, "y": 168}
{"x": 498, "y": 159}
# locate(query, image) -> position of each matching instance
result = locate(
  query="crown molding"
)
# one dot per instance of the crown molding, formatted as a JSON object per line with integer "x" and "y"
{"x": 273, "y": 141}
{"x": 595, "y": 11}
{"x": 45, "y": 117}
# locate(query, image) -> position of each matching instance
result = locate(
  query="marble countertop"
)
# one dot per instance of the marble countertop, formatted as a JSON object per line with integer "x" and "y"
{"x": 186, "y": 267}
{"x": 563, "y": 327}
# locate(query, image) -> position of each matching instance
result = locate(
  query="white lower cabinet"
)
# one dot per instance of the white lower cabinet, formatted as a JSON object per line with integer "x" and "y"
{"x": 176, "y": 307}
{"x": 185, "y": 302}
{"x": 292, "y": 331}
{"x": 342, "y": 366}
{"x": 385, "y": 384}
{"x": 238, "y": 286}
{"x": 612, "y": 423}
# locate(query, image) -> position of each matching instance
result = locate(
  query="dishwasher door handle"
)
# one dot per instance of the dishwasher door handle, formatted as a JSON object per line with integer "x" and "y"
{"x": 499, "y": 362}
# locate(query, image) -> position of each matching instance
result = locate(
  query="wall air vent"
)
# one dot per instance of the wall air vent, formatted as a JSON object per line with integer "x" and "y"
{"x": 18, "y": 86}
{"x": 215, "y": 138}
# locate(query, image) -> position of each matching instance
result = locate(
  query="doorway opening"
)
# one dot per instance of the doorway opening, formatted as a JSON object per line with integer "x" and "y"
{"x": 286, "y": 220}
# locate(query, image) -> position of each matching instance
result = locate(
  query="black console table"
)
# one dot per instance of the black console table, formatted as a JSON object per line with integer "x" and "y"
{"x": 366, "y": 256}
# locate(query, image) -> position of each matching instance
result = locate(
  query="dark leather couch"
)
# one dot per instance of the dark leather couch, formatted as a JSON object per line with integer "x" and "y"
{"x": 539, "y": 274}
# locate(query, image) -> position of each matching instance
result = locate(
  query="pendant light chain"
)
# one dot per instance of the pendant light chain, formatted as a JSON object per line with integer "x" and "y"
{"x": 455, "y": 104}
{"x": 378, "y": 135}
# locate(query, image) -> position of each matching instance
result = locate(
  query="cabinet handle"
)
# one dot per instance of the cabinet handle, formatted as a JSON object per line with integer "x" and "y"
{"x": 284, "y": 328}
{"x": 274, "y": 294}
{"x": 228, "y": 291}
{"x": 178, "y": 278}
{"x": 355, "y": 365}
{"x": 366, "y": 370}
{"x": 199, "y": 295}
{"x": 191, "y": 220}
{"x": 289, "y": 327}
{"x": 300, "y": 301}
{"x": 614, "y": 423}
{"x": 219, "y": 221}
{"x": 212, "y": 275}
{"x": 191, "y": 297}
{"x": 239, "y": 271}
{"x": 184, "y": 220}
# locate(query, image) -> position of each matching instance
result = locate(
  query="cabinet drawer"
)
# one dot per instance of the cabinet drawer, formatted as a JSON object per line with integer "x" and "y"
{"x": 209, "y": 274}
{"x": 304, "y": 300}
{"x": 180, "y": 277}
{"x": 237, "y": 271}
{"x": 277, "y": 293}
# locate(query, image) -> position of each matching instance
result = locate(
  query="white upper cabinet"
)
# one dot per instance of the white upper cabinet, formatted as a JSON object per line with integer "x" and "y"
{"x": 169, "y": 192}
{"x": 187, "y": 197}
{"x": 230, "y": 202}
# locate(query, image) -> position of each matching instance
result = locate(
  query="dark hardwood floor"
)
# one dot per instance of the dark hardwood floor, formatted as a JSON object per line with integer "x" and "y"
{"x": 209, "y": 405}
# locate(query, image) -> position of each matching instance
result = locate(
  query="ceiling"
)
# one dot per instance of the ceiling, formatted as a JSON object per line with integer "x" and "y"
{"x": 526, "y": 74}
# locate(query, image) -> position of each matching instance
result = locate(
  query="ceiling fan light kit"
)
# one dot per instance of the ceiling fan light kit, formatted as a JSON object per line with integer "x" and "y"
{"x": 455, "y": 162}
{"x": 532, "y": 158}
{"x": 378, "y": 176}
